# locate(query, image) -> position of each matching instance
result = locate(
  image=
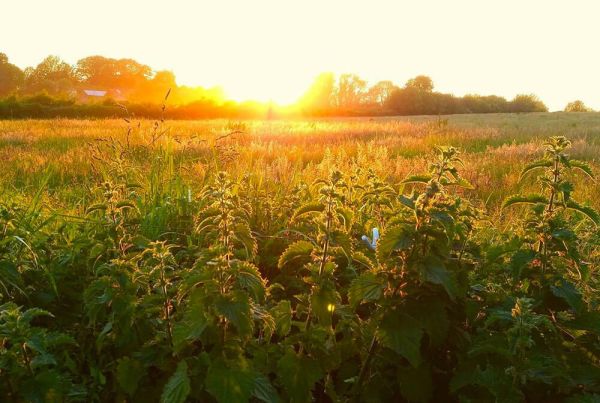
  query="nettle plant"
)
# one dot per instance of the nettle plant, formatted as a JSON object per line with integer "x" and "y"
{"x": 538, "y": 333}
{"x": 222, "y": 315}
{"x": 550, "y": 232}
{"x": 410, "y": 307}
{"x": 316, "y": 269}
{"x": 35, "y": 364}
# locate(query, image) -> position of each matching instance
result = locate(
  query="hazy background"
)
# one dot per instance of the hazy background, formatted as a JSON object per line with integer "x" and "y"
{"x": 273, "y": 49}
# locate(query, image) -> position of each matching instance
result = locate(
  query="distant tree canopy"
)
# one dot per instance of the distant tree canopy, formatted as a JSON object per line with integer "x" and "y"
{"x": 577, "y": 106}
{"x": 130, "y": 79}
{"x": 53, "y": 81}
{"x": 349, "y": 95}
{"x": 420, "y": 83}
{"x": 11, "y": 77}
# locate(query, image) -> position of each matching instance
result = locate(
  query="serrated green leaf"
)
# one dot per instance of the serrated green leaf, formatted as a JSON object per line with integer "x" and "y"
{"x": 434, "y": 271}
{"x": 416, "y": 384}
{"x": 363, "y": 260}
{"x": 582, "y": 166}
{"x": 178, "y": 387}
{"x": 314, "y": 207}
{"x": 366, "y": 287}
{"x": 424, "y": 178}
{"x": 401, "y": 333}
{"x": 129, "y": 373}
{"x": 244, "y": 235}
{"x": 545, "y": 163}
{"x": 235, "y": 307}
{"x": 282, "y": 313}
{"x": 249, "y": 278}
{"x": 567, "y": 291}
{"x": 193, "y": 324}
{"x": 521, "y": 199}
{"x": 96, "y": 207}
{"x": 395, "y": 238}
{"x": 322, "y": 303}
{"x": 228, "y": 383}
{"x": 587, "y": 211}
{"x": 298, "y": 252}
{"x": 263, "y": 390}
{"x": 298, "y": 375}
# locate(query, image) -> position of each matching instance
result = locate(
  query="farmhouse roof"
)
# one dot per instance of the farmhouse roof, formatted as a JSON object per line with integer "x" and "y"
{"x": 95, "y": 93}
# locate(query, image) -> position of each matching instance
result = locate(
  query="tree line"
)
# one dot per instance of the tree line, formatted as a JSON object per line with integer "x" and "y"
{"x": 54, "y": 88}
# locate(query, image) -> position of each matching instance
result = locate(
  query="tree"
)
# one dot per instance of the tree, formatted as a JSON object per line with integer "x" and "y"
{"x": 97, "y": 71}
{"x": 577, "y": 106}
{"x": 527, "y": 103}
{"x": 11, "y": 77}
{"x": 126, "y": 75}
{"x": 422, "y": 83}
{"x": 350, "y": 91}
{"x": 484, "y": 104}
{"x": 52, "y": 75}
{"x": 379, "y": 93}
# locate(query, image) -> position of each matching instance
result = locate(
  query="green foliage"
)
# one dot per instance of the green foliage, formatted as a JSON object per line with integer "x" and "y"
{"x": 243, "y": 294}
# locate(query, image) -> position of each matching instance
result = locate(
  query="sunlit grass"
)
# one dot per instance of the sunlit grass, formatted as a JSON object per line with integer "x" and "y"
{"x": 495, "y": 147}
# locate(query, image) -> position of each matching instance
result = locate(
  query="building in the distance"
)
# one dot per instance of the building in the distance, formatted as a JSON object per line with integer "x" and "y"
{"x": 96, "y": 95}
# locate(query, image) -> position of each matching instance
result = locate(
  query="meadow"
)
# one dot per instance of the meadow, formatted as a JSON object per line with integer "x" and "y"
{"x": 236, "y": 261}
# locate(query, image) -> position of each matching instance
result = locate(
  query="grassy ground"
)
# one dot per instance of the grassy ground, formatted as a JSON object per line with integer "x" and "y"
{"x": 495, "y": 147}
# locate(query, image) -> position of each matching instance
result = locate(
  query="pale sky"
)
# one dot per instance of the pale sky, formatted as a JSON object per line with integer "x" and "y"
{"x": 272, "y": 49}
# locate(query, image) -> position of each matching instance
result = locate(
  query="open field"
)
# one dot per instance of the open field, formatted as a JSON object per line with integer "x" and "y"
{"x": 223, "y": 260}
{"x": 494, "y": 146}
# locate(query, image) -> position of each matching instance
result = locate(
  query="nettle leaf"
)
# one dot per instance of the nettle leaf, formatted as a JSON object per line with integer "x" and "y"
{"x": 519, "y": 260}
{"x": 341, "y": 239}
{"x": 229, "y": 384}
{"x": 567, "y": 291}
{"x": 125, "y": 204}
{"x": 249, "y": 278}
{"x": 402, "y": 334}
{"x": 589, "y": 321}
{"x": 433, "y": 319}
{"x": 299, "y": 251}
{"x": 406, "y": 201}
{"x": 346, "y": 216}
{"x": 366, "y": 287}
{"x": 395, "y": 238}
{"x": 362, "y": 259}
{"x": 545, "y": 163}
{"x": 298, "y": 375}
{"x": 463, "y": 183}
{"x": 178, "y": 387}
{"x": 423, "y": 178}
{"x": 193, "y": 324}
{"x": 129, "y": 373}
{"x": 282, "y": 313}
{"x": 588, "y": 211}
{"x": 434, "y": 271}
{"x": 243, "y": 234}
{"x": 263, "y": 390}
{"x": 493, "y": 378}
{"x": 236, "y": 308}
{"x": 322, "y": 303}
{"x": 416, "y": 384}
{"x": 582, "y": 166}
{"x": 96, "y": 207}
{"x": 521, "y": 199}
{"x": 314, "y": 207}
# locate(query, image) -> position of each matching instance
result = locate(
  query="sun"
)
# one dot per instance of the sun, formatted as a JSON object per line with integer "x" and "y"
{"x": 273, "y": 89}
